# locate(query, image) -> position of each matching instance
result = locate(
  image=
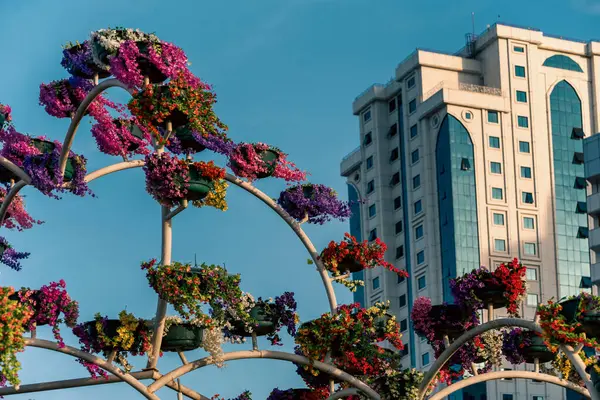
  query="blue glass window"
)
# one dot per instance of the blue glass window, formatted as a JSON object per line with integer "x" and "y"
{"x": 393, "y": 130}
{"x": 521, "y": 96}
{"x": 372, "y": 210}
{"x": 397, "y": 202}
{"x": 421, "y": 282}
{"x": 392, "y": 105}
{"x": 493, "y": 117}
{"x": 498, "y": 219}
{"x": 500, "y": 245}
{"x": 530, "y": 249}
{"x": 528, "y": 223}
{"x": 394, "y": 154}
{"x": 399, "y": 252}
{"x": 520, "y": 71}
{"x": 395, "y": 179}
{"x": 526, "y": 172}
{"x": 403, "y": 325}
{"x": 494, "y": 142}
{"x": 368, "y": 139}
{"x": 373, "y": 234}
{"x": 506, "y": 396}
{"x": 495, "y": 167}
{"x": 531, "y": 274}
{"x": 519, "y": 49}
{"x": 416, "y": 181}
{"x": 370, "y": 186}
{"x": 420, "y": 257}
{"x": 402, "y": 301}
{"x": 369, "y": 162}
{"x": 527, "y": 197}
{"x": 497, "y": 194}
{"x": 367, "y": 116}
{"x": 414, "y": 156}
{"x": 562, "y": 62}
{"x": 425, "y": 359}
{"x": 468, "y": 115}
{"x": 375, "y": 283}
{"x": 412, "y": 106}
{"x": 410, "y": 83}
{"x": 414, "y": 131}
{"x": 418, "y": 207}
{"x": 524, "y": 147}
{"x": 418, "y": 232}
{"x": 398, "y": 227}
{"x": 523, "y": 121}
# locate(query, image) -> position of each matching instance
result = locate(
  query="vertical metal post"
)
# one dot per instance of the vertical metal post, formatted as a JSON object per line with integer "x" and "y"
{"x": 254, "y": 342}
{"x": 179, "y": 394}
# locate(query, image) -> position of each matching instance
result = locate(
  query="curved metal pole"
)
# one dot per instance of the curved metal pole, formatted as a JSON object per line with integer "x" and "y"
{"x": 9, "y": 198}
{"x": 508, "y": 374}
{"x": 91, "y": 96}
{"x": 267, "y": 354}
{"x": 137, "y": 385}
{"x": 464, "y": 338}
{"x": 344, "y": 393}
{"x": 9, "y": 165}
{"x": 99, "y": 173}
{"x": 299, "y": 232}
{"x": 580, "y": 368}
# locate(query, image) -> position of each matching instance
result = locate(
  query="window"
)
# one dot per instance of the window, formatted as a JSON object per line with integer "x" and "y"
{"x": 404, "y": 325}
{"x": 421, "y": 282}
{"x": 581, "y": 207}
{"x": 397, "y": 203}
{"x": 398, "y": 227}
{"x": 498, "y": 219}
{"x": 524, "y": 147}
{"x": 414, "y": 131}
{"x": 530, "y": 249}
{"x": 368, "y": 139}
{"x": 375, "y": 283}
{"x": 420, "y": 257}
{"x": 580, "y": 183}
{"x": 395, "y": 179}
{"x": 577, "y": 133}
{"x": 497, "y": 194}
{"x": 494, "y": 142}
{"x": 393, "y": 130}
{"x": 425, "y": 359}
{"x": 369, "y": 162}
{"x": 537, "y": 398}
{"x": 410, "y": 83}
{"x": 495, "y": 167}
{"x": 468, "y": 115}
{"x": 528, "y": 223}
{"x": 392, "y": 105}
{"x": 418, "y": 232}
{"x": 578, "y": 158}
{"x": 521, "y": 96}
{"x": 400, "y": 251}
{"x": 394, "y": 154}
{"x": 402, "y": 301}
{"x": 414, "y": 156}
{"x": 506, "y": 379}
{"x": 531, "y": 274}
{"x": 465, "y": 165}
{"x": 418, "y": 207}
{"x": 522, "y": 121}
{"x": 403, "y": 352}
{"x": 532, "y": 300}
{"x": 370, "y": 186}
{"x": 493, "y": 117}
{"x": 527, "y": 197}
{"x": 412, "y": 106}
{"x": 372, "y": 210}
{"x": 373, "y": 234}
{"x": 562, "y": 62}
{"x": 507, "y": 396}
{"x": 520, "y": 71}
{"x": 500, "y": 245}
{"x": 519, "y": 49}
{"x": 401, "y": 279}
{"x": 416, "y": 181}
{"x": 367, "y": 116}
{"x": 526, "y": 172}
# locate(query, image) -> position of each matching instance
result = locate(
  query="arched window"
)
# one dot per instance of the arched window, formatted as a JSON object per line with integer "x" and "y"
{"x": 562, "y": 62}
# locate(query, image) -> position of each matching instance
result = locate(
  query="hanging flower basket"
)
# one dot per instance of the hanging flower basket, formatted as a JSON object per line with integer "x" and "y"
{"x": 16, "y": 216}
{"x": 536, "y": 349}
{"x": 186, "y": 140}
{"x": 294, "y": 394}
{"x": 587, "y": 313}
{"x": 201, "y": 181}
{"x": 182, "y": 337}
{"x": 399, "y": 384}
{"x": 263, "y": 324}
{"x": 491, "y": 294}
{"x": 62, "y": 98}
{"x": 9, "y": 256}
{"x": 78, "y": 61}
{"x": 434, "y": 322}
{"x": 318, "y": 203}
{"x": 259, "y": 160}
{"x": 5, "y": 115}
{"x": 105, "y": 43}
{"x": 47, "y": 147}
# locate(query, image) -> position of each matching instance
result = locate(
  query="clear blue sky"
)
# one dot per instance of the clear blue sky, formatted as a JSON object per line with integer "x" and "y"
{"x": 286, "y": 73}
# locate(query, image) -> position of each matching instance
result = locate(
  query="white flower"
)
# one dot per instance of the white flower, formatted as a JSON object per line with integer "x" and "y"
{"x": 212, "y": 341}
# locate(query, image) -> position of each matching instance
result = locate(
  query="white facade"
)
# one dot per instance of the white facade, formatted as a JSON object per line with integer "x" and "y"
{"x": 538, "y": 218}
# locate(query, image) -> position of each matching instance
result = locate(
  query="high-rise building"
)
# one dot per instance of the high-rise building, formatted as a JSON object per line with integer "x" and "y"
{"x": 475, "y": 158}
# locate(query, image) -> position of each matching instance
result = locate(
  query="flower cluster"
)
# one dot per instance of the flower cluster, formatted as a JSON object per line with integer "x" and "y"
{"x": 296, "y": 394}
{"x": 514, "y": 341}
{"x": 314, "y": 203}
{"x": 216, "y": 197}
{"x": 558, "y": 329}
{"x": 349, "y": 252}
{"x": 180, "y": 102}
{"x": 447, "y": 318}
{"x": 17, "y": 216}
{"x": 50, "y": 305}
{"x": 78, "y": 61}
{"x": 62, "y": 98}
{"x": 119, "y": 137}
{"x": 508, "y": 280}
{"x": 5, "y": 115}
{"x": 246, "y": 395}
{"x": 105, "y": 43}
{"x": 259, "y": 160}
{"x": 126, "y": 335}
{"x": 399, "y": 384}
{"x": 13, "y": 320}
{"x": 10, "y": 257}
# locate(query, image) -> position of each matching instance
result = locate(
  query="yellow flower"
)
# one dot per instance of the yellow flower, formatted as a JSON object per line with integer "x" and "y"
{"x": 216, "y": 197}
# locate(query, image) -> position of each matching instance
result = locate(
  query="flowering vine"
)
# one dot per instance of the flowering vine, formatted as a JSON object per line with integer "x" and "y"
{"x": 78, "y": 61}
{"x": 10, "y": 257}
{"x": 16, "y": 216}
{"x": 314, "y": 203}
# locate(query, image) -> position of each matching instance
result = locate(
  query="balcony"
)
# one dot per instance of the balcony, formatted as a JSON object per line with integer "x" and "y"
{"x": 351, "y": 162}
{"x": 594, "y": 239}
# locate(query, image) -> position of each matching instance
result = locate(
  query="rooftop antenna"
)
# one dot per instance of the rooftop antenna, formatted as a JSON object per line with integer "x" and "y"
{"x": 473, "y": 22}
{"x": 195, "y": 261}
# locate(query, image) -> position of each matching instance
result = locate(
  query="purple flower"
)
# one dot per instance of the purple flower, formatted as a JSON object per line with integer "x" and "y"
{"x": 77, "y": 60}
{"x": 10, "y": 256}
{"x": 215, "y": 143}
{"x": 513, "y": 343}
{"x": 317, "y": 202}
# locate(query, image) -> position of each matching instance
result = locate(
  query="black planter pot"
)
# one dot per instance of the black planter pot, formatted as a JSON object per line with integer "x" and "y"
{"x": 147, "y": 68}
{"x": 177, "y": 117}
{"x": 269, "y": 157}
{"x": 46, "y": 147}
{"x": 93, "y": 67}
{"x": 199, "y": 186}
{"x": 442, "y": 314}
{"x": 182, "y": 337}
{"x": 537, "y": 349}
{"x": 303, "y": 394}
{"x": 6, "y": 175}
{"x": 187, "y": 140}
{"x": 35, "y": 297}
{"x": 590, "y": 321}
{"x": 264, "y": 324}
{"x": 133, "y": 129}
{"x": 491, "y": 295}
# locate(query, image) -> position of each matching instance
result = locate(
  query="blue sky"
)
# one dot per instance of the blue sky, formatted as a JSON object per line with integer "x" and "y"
{"x": 286, "y": 73}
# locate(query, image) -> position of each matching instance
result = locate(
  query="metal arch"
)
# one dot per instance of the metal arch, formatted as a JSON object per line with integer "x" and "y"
{"x": 136, "y": 384}
{"x": 6, "y": 163}
{"x": 464, "y": 338}
{"x": 299, "y": 232}
{"x": 508, "y": 374}
{"x": 91, "y": 96}
{"x": 265, "y": 354}
{"x": 344, "y": 393}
